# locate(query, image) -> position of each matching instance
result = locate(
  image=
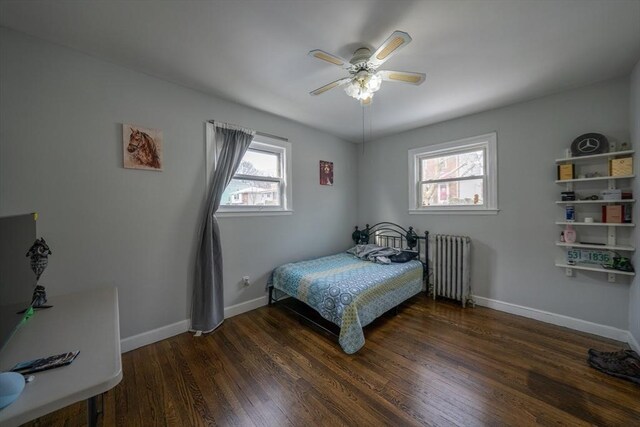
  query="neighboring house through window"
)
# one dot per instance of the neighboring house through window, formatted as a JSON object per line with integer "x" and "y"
{"x": 454, "y": 177}
{"x": 262, "y": 183}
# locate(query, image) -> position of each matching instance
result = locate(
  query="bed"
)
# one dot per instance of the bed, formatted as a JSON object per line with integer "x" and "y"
{"x": 351, "y": 292}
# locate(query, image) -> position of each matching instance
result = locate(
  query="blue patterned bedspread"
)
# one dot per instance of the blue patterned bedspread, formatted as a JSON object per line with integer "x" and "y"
{"x": 348, "y": 291}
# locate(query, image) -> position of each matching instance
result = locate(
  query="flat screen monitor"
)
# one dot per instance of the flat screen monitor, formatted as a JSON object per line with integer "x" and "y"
{"x": 17, "y": 281}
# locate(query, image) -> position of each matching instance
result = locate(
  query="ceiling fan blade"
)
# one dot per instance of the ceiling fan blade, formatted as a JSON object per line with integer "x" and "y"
{"x": 332, "y": 59}
{"x": 402, "y": 77}
{"x": 337, "y": 83}
{"x": 396, "y": 41}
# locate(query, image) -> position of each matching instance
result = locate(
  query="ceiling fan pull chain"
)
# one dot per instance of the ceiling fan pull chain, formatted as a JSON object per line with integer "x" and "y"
{"x": 371, "y": 122}
{"x": 362, "y": 130}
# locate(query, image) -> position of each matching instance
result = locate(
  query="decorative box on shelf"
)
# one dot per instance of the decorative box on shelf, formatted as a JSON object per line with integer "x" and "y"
{"x": 612, "y": 194}
{"x": 616, "y": 214}
{"x": 613, "y": 214}
{"x": 566, "y": 171}
{"x": 621, "y": 167}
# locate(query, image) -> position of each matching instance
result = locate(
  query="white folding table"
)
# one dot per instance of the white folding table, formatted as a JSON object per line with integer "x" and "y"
{"x": 85, "y": 321}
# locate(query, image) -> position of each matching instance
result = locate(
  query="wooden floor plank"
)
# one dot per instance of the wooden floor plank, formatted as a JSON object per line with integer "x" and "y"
{"x": 432, "y": 364}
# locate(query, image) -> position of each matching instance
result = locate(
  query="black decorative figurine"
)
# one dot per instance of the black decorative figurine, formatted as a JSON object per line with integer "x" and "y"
{"x": 39, "y": 254}
{"x": 411, "y": 238}
{"x": 355, "y": 236}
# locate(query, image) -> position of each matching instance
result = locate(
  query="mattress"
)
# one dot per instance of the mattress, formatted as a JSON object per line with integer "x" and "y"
{"x": 348, "y": 291}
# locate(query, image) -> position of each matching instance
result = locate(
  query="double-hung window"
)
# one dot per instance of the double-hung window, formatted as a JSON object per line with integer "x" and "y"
{"x": 454, "y": 177}
{"x": 262, "y": 182}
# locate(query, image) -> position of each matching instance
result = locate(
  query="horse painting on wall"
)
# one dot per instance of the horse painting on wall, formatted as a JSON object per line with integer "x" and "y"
{"x": 142, "y": 147}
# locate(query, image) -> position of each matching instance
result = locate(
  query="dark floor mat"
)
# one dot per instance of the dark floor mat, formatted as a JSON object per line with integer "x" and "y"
{"x": 620, "y": 354}
{"x": 623, "y": 364}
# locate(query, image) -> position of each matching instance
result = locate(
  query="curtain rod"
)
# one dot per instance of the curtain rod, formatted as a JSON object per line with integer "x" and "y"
{"x": 268, "y": 135}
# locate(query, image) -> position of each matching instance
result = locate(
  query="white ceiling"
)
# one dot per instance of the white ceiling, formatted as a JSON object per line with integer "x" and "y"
{"x": 477, "y": 54}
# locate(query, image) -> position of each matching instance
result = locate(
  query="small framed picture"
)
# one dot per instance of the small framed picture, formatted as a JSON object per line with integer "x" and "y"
{"x": 326, "y": 173}
{"x": 141, "y": 147}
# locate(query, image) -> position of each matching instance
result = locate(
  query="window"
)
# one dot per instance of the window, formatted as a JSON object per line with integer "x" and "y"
{"x": 454, "y": 177}
{"x": 261, "y": 185}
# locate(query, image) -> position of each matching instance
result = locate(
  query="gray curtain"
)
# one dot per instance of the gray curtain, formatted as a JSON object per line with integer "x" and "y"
{"x": 207, "y": 305}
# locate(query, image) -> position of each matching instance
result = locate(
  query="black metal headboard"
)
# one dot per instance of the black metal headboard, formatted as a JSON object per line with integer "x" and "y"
{"x": 394, "y": 235}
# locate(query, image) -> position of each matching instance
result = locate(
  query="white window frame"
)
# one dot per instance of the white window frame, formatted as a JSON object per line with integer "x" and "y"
{"x": 262, "y": 143}
{"x": 486, "y": 142}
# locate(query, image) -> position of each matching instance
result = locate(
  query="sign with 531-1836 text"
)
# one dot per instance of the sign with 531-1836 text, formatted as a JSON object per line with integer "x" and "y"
{"x": 586, "y": 256}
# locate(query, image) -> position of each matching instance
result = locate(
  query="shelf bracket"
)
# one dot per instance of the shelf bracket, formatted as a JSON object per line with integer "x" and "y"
{"x": 611, "y": 277}
{"x": 568, "y": 272}
{"x": 611, "y": 236}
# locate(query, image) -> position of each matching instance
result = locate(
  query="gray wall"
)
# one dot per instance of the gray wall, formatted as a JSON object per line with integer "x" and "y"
{"x": 61, "y": 155}
{"x": 634, "y": 125}
{"x": 514, "y": 251}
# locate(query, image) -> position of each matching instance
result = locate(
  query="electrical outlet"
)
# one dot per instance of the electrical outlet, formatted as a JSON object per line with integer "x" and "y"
{"x": 245, "y": 280}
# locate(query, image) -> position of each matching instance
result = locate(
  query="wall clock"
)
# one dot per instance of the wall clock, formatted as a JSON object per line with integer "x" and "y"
{"x": 589, "y": 143}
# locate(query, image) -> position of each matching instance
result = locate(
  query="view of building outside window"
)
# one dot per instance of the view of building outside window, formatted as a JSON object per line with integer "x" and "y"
{"x": 256, "y": 182}
{"x": 456, "y": 179}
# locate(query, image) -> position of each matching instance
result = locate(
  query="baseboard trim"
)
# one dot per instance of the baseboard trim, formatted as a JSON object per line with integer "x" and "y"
{"x": 243, "y": 307}
{"x": 555, "y": 319}
{"x": 155, "y": 335}
{"x": 168, "y": 331}
{"x": 635, "y": 346}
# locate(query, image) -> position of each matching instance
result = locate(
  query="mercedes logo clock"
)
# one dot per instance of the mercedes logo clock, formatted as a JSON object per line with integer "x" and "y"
{"x": 589, "y": 143}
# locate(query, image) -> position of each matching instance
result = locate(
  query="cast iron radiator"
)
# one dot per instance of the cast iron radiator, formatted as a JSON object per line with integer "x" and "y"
{"x": 452, "y": 261}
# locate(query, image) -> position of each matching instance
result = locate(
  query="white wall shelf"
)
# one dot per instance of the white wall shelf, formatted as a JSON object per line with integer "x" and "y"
{"x": 603, "y": 247}
{"x": 601, "y": 224}
{"x": 599, "y": 201}
{"x": 595, "y": 268}
{"x": 609, "y": 155}
{"x": 589, "y": 163}
{"x": 597, "y": 178}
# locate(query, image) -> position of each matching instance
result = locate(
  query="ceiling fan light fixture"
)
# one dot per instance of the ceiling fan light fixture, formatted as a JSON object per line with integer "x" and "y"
{"x": 374, "y": 82}
{"x": 364, "y": 78}
{"x": 352, "y": 89}
{"x": 363, "y": 85}
{"x": 367, "y": 101}
{"x": 358, "y": 91}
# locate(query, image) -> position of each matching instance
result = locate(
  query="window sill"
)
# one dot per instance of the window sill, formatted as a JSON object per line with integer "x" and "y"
{"x": 441, "y": 211}
{"x": 257, "y": 212}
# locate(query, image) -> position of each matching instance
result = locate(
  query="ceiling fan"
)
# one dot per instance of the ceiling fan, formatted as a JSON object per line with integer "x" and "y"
{"x": 365, "y": 79}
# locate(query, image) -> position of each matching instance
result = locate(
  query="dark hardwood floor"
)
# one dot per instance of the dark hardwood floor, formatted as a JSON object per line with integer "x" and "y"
{"x": 432, "y": 364}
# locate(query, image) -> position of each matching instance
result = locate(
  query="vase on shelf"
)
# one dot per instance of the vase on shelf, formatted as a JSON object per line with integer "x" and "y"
{"x": 569, "y": 234}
